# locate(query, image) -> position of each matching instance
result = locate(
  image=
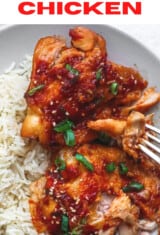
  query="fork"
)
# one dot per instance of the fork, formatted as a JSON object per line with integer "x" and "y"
{"x": 147, "y": 143}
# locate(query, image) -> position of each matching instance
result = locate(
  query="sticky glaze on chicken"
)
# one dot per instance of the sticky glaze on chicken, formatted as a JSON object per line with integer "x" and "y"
{"x": 97, "y": 200}
{"x": 74, "y": 83}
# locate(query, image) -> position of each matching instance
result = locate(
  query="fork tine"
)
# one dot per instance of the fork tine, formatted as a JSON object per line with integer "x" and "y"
{"x": 149, "y": 153}
{"x": 143, "y": 146}
{"x": 152, "y": 137}
{"x": 152, "y": 146}
{"x": 153, "y": 128}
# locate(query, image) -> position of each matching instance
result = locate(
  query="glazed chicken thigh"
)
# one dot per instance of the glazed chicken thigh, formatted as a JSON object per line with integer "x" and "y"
{"x": 72, "y": 85}
{"x": 95, "y": 188}
{"x": 63, "y": 83}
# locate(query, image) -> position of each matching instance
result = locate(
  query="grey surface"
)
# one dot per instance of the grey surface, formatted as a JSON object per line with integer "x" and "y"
{"x": 147, "y": 34}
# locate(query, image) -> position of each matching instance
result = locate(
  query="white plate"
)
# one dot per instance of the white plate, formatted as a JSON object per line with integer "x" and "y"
{"x": 19, "y": 40}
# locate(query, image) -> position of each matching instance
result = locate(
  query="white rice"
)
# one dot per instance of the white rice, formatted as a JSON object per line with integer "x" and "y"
{"x": 21, "y": 161}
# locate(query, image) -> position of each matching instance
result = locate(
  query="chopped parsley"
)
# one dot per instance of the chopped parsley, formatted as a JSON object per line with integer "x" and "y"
{"x": 35, "y": 89}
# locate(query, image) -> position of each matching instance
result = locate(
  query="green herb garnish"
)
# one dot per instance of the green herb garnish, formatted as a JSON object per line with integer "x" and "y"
{"x": 69, "y": 137}
{"x": 72, "y": 70}
{"x": 65, "y": 223}
{"x": 63, "y": 126}
{"x": 110, "y": 167}
{"x": 99, "y": 74}
{"x": 35, "y": 89}
{"x": 114, "y": 88}
{"x": 133, "y": 187}
{"x": 84, "y": 161}
{"x": 60, "y": 164}
{"x": 123, "y": 169}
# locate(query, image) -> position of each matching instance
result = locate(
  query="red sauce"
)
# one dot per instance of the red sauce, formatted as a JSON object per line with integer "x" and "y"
{"x": 127, "y": 78}
{"x": 78, "y": 97}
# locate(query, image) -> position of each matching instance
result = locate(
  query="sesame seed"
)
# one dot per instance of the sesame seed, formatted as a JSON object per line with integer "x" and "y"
{"x": 61, "y": 191}
{"x": 51, "y": 102}
{"x": 77, "y": 201}
{"x": 135, "y": 82}
{"x": 73, "y": 210}
{"x": 66, "y": 113}
{"x": 62, "y": 209}
{"x": 50, "y": 193}
{"x": 86, "y": 197}
{"x": 51, "y": 190}
{"x": 53, "y": 123}
{"x": 73, "y": 218}
{"x": 54, "y": 111}
{"x": 35, "y": 82}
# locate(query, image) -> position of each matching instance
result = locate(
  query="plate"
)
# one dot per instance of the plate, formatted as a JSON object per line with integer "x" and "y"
{"x": 19, "y": 40}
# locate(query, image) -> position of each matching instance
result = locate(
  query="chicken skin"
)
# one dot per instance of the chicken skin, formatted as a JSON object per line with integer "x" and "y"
{"x": 75, "y": 84}
{"x": 103, "y": 193}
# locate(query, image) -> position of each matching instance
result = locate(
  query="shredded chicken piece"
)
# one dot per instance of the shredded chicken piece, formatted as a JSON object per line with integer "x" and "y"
{"x": 85, "y": 39}
{"x": 133, "y": 132}
{"x": 122, "y": 208}
{"x": 128, "y": 132}
{"x": 112, "y": 126}
{"x": 147, "y": 225}
{"x": 149, "y": 99}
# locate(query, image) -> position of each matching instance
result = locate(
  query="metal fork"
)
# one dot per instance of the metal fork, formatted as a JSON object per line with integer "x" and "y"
{"x": 145, "y": 143}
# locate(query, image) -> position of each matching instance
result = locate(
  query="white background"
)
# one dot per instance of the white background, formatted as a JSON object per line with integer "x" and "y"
{"x": 150, "y": 14}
